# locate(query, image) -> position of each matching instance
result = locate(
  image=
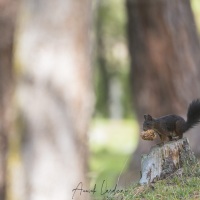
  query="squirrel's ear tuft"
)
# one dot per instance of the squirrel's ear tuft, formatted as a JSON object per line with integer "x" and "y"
{"x": 148, "y": 117}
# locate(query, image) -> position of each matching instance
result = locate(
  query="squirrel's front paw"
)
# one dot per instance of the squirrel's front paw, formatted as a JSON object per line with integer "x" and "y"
{"x": 160, "y": 144}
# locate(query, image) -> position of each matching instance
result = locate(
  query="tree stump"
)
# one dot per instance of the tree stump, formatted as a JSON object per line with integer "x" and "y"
{"x": 165, "y": 160}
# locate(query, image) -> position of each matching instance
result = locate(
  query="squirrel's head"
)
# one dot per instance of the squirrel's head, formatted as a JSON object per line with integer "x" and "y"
{"x": 148, "y": 122}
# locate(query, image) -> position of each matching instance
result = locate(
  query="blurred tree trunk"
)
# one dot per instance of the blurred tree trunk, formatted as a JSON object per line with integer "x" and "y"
{"x": 7, "y": 16}
{"x": 164, "y": 50}
{"x": 55, "y": 96}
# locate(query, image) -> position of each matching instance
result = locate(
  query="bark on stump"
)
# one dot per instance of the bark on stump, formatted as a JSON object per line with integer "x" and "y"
{"x": 163, "y": 161}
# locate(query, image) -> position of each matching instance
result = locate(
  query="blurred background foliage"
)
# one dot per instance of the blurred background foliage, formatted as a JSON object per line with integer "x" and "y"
{"x": 114, "y": 114}
{"x": 111, "y": 61}
{"x": 196, "y": 10}
{"x": 113, "y": 110}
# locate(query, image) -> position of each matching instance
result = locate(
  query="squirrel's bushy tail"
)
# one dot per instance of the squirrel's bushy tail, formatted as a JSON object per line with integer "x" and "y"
{"x": 193, "y": 114}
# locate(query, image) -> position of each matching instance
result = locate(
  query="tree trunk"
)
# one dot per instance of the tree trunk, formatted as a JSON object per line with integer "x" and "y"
{"x": 55, "y": 96}
{"x": 7, "y": 22}
{"x": 164, "y": 50}
{"x": 164, "y": 161}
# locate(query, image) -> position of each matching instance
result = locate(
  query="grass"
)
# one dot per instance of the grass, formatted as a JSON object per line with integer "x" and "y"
{"x": 183, "y": 186}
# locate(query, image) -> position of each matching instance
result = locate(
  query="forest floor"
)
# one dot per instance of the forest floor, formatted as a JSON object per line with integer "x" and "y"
{"x": 183, "y": 186}
{"x": 112, "y": 143}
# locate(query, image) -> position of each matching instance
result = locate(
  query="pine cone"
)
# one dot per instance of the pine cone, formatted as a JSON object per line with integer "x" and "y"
{"x": 148, "y": 135}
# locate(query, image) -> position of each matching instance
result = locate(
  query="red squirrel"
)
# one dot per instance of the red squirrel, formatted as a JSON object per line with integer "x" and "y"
{"x": 172, "y": 127}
